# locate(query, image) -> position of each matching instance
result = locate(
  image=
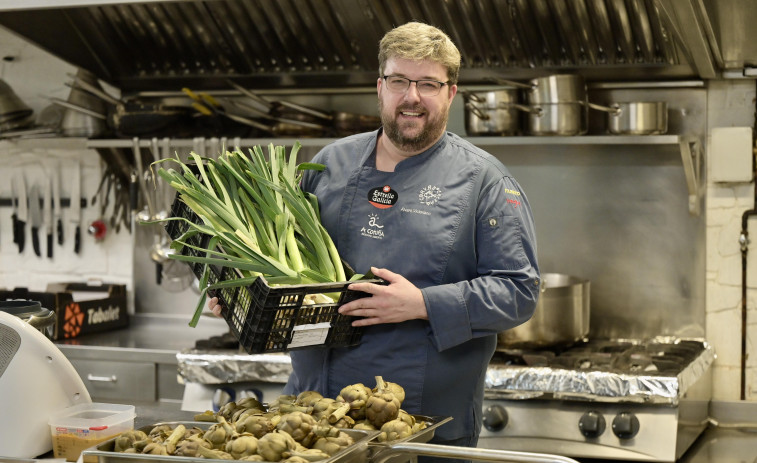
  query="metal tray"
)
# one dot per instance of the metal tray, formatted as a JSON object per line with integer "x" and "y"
{"x": 355, "y": 453}
{"x": 420, "y": 437}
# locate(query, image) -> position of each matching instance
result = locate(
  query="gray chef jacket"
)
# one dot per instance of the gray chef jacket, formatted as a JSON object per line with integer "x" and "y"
{"x": 455, "y": 223}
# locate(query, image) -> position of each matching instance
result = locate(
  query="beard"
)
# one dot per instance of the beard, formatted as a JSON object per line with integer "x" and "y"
{"x": 428, "y": 135}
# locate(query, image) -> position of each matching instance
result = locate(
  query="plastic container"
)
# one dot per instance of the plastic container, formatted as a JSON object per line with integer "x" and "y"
{"x": 273, "y": 319}
{"x": 85, "y": 425}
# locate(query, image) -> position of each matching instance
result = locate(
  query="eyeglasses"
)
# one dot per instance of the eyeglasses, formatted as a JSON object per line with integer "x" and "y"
{"x": 426, "y": 87}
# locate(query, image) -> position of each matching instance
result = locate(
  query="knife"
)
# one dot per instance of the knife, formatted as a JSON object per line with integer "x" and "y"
{"x": 47, "y": 212}
{"x": 35, "y": 216}
{"x": 20, "y": 214}
{"x": 57, "y": 213}
{"x": 75, "y": 216}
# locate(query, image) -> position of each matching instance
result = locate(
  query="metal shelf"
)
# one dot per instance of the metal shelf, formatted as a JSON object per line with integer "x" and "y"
{"x": 690, "y": 147}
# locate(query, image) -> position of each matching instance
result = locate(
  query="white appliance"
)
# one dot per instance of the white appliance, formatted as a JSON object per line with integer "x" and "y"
{"x": 36, "y": 380}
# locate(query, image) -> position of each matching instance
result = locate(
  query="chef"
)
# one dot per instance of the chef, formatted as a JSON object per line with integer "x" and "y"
{"x": 443, "y": 222}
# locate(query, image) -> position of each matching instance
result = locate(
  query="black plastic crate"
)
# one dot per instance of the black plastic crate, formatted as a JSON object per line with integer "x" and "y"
{"x": 274, "y": 319}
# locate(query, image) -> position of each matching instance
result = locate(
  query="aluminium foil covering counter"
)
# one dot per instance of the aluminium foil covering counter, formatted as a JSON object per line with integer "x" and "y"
{"x": 519, "y": 382}
{"x": 225, "y": 366}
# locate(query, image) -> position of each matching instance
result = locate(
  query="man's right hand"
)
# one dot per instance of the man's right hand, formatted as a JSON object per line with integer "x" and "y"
{"x": 214, "y": 306}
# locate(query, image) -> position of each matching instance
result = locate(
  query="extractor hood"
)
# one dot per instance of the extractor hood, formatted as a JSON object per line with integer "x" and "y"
{"x": 164, "y": 45}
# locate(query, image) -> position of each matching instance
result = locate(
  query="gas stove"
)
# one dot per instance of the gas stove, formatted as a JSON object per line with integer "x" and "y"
{"x": 624, "y": 399}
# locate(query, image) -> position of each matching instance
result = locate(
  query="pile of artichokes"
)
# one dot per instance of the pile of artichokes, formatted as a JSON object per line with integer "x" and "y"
{"x": 292, "y": 429}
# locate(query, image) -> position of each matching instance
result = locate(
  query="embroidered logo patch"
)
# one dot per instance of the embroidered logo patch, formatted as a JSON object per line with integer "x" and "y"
{"x": 382, "y": 197}
{"x": 374, "y": 229}
{"x": 430, "y": 195}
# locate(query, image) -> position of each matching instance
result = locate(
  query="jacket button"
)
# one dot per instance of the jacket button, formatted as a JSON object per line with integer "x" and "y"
{"x": 493, "y": 222}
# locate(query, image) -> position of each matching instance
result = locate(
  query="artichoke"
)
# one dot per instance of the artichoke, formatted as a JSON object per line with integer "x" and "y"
{"x": 215, "y": 454}
{"x": 257, "y": 425}
{"x": 394, "y": 388}
{"x": 394, "y": 430}
{"x": 297, "y": 424}
{"x": 126, "y": 440}
{"x": 242, "y": 445}
{"x": 189, "y": 447}
{"x": 218, "y": 433}
{"x": 406, "y": 417}
{"x": 364, "y": 425}
{"x": 324, "y": 407}
{"x": 333, "y": 445}
{"x": 272, "y": 446}
{"x": 207, "y": 416}
{"x": 155, "y": 448}
{"x": 382, "y": 405}
{"x": 176, "y": 435}
{"x": 308, "y": 398}
{"x": 353, "y": 398}
{"x": 307, "y": 455}
{"x": 160, "y": 432}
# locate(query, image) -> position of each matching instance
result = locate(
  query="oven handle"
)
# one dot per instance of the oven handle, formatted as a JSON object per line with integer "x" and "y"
{"x": 464, "y": 453}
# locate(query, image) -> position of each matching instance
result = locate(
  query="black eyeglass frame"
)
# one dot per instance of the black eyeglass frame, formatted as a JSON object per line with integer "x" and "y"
{"x": 410, "y": 81}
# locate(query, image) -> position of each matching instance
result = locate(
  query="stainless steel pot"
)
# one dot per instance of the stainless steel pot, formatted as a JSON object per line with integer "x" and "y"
{"x": 636, "y": 118}
{"x": 33, "y": 313}
{"x": 561, "y": 119}
{"x": 557, "y": 88}
{"x": 561, "y": 317}
{"x": 492, "y": 112}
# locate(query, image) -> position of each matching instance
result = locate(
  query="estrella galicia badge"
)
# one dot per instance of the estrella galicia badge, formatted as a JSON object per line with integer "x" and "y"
{"x": 382, "y": 197}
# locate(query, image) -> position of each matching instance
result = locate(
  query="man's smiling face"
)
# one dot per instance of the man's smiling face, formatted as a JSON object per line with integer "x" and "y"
{"x": 411, "y": 121}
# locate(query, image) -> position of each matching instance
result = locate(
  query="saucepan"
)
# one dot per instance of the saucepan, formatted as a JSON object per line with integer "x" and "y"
{"x": 557, "y": 88}
{"x": 636, "y": 117}
{"x": 561, "y": 316}
{"x": 492, "y": 112}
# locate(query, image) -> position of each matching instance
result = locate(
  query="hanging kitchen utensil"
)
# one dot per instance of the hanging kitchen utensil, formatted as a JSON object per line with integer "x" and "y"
{"x": 20, "y": 211}
{"x": 635, "y": 118}
{"x": 57, "y": 212}
{"x": 47, "y": 213}
{"x": 35, "y": 217}
{"x": 75, "y": 209}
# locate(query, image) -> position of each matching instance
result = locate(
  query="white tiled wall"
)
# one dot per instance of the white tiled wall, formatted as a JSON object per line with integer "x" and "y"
{"x": 730, "y": 104}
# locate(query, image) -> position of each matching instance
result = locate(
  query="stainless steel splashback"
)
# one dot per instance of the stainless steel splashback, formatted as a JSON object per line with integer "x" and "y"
{"x": 148, "y": 45}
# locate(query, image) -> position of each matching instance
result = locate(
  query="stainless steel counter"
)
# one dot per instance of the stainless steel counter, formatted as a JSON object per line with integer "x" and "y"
{"x": 150, "y": 337}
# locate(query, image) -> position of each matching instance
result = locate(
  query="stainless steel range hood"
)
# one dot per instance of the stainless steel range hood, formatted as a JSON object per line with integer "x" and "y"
{"x": 149, "y": 45}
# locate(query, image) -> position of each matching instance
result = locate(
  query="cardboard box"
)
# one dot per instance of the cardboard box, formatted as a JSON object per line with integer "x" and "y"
{"x": 79, "y": 308}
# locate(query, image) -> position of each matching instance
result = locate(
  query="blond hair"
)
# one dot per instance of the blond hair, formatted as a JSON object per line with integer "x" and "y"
{"x": 418, "y": 41}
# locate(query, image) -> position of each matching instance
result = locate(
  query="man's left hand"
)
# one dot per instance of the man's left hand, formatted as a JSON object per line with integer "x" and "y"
{"x": 396, "y": 302}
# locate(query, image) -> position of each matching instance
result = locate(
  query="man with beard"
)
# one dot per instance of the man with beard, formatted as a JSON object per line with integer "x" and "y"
{"x": 444, "y": 223}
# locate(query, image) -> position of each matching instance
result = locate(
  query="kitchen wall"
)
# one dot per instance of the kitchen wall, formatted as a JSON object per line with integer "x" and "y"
{"x": 714, "y": 235}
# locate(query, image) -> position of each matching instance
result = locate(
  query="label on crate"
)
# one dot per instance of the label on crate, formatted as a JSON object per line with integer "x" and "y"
{"x": 309, "y": 335}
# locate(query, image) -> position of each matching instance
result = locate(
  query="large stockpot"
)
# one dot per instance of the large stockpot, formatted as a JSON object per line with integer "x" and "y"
{"x": 557, "y": 88}
{"x": 561, "y": 316}
{"x": 492, "y": 112}
{"x": 636, "y": 118}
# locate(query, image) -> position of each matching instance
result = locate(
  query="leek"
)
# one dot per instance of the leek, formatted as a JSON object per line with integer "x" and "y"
{"x": 260, "y": 222}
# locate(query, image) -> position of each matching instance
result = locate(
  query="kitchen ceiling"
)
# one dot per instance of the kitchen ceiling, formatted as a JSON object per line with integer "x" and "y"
{"x": 164, "y": 45}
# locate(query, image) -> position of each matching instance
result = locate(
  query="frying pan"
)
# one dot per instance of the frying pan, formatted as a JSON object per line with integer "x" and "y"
{"x": 137, "y": 118}
{"x": 209, "y": 106}
{"x": 342, "y": 123}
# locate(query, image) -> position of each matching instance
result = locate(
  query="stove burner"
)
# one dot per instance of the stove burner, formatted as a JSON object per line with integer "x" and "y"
{"x": 619, "y": 356}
